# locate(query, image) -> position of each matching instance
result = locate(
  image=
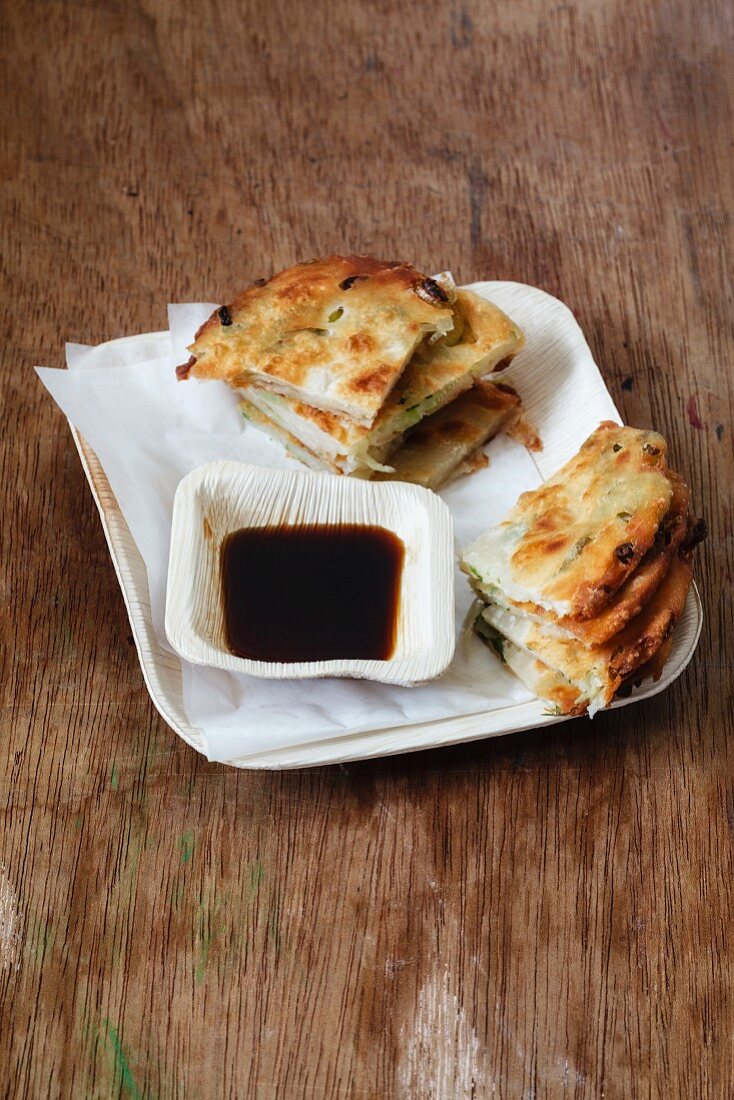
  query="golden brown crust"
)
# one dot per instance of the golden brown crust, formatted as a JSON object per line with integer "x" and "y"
{"x": 345, "y": 432}
{"x": 652, "y": 669}
{"x": 634, "y": 594}
{"x": 601, "y": 669}
{"x": 570, "y": 544}
{"x": 562, "y": 695}
{"x": 629, "y": 637}
{"x": 336, "y": 332}
{"x": 630, "y": 599}
{"x": 452, "y": 424}
{"x": 431, "y": 454}
{"x": 643, "y": 636}
{"x": 488, "y": 341}
{"x": 435, "y": 377}
{"x": 621, "y": 544}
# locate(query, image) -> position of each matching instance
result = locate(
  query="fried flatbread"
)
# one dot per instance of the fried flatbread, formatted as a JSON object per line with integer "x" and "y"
{"x": 434, "y": 451}
{"x": 336, "y": 440}
{"x": 598, "y": 671}
{"x": 562, "y": 696}
{"x": 445, "y": 441}
{"x": 651, "y": 670}
{"x": 335, "y": 333}
{"x": 294, "y": 446}
{"x": 570, "y": 544}
{"x": 630, "y": 599}
{"x": 483, "y": 340}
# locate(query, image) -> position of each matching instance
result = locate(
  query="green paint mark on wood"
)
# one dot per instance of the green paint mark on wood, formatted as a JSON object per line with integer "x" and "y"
{"x": 41, "y": 938}
{"x": 257, "y": 874}
{"x": 203, "y": 958}
{"x": 78, "y": 823}
{"x": 114, "y": 777}
{"x": 123, "y": 1078}
{"x": 187, "y": 847}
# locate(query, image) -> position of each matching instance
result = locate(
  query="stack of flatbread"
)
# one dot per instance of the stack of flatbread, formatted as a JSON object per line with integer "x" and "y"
{"x": 581, "y": 585}
{"x": 342, "y": 358}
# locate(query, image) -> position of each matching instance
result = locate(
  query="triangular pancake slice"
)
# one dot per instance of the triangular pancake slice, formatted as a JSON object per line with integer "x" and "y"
{"x": 562, "y": 696}
{"x": 434, "y": 452}
{"x": 629, "y": 600}
{"x": 597, "y": 672}
{"x": 570, "y": 544}
{"x": 335, "y": 333}
{"x": 483, "y": 340}
{"x": 295, "y": 447}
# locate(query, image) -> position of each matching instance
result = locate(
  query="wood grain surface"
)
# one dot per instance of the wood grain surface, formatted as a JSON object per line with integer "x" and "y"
{"x": 548, "y": 915}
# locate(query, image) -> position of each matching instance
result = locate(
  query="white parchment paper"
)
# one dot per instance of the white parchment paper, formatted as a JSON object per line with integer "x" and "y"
{"x": 149, "y": 430}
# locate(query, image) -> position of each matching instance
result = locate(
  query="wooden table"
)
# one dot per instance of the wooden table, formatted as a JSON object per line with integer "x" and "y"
{"x": 548, "y": 915}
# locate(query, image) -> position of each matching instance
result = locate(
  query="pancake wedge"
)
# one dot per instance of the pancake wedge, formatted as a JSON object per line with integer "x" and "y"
{"x": 584, "y": 581}
{"x": 335, "y": 333}
{"x": 596, "y": 672}
{"x": 483, "y": 340}
{"x": 569, "y": 545}
{"x": 629, "y": 600}
{"x": 433, "y": 453}
{"x": 562, "y": 696}
{"x": 437, "y": 449}
{"x": 295, "y": 447}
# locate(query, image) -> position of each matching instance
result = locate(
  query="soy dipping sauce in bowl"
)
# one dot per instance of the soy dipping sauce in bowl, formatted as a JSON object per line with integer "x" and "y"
{"x": 312, "y": 593}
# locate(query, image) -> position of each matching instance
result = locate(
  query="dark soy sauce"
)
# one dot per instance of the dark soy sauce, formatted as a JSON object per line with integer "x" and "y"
{"x": 311, "y": 593}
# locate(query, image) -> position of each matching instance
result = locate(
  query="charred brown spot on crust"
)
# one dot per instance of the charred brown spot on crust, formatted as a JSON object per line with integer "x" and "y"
{"x": 224, "y": 315}
{"x": 503, "y": 365}
{"x": 554, "y": 517}
{"x": 361, "y": 341}
{"x": 184, "y": 369}
{"x": 430, "y": 291}
{"x": 373, "y": 381}
{"x": 323, "y": 419}
{"x": 298, "y": 284}
{"x": 348, "y": 283}
{"x": 553, "y": 545}
{"x": 625, "y": 553}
